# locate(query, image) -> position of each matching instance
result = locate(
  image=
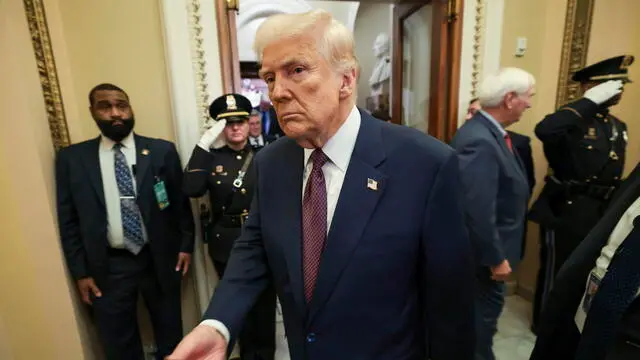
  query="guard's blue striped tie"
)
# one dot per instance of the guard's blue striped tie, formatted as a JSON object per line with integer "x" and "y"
{"x": 131, "y": 220}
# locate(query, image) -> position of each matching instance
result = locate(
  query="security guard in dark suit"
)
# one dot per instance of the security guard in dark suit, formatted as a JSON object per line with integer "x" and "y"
{"x": 221, "y": 164}
{"x": 585, "y": 147}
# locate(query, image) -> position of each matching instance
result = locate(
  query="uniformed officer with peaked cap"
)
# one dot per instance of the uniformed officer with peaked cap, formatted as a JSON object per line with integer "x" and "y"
{"x": 585, "y": 147}
{"x": 221, "y": 164}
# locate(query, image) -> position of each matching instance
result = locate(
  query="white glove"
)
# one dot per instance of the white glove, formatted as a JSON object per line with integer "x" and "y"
{"x": 213, "y": 137}
{"x": 601, "y": 93}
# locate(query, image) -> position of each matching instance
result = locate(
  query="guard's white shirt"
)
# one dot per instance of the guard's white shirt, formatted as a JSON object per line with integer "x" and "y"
{"x": 620, "y": 232}
{"x": 339, "y": 150}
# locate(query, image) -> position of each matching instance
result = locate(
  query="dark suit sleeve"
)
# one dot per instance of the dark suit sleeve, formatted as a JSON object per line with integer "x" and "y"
{"x": 479, "y": 179}
{"x": 68, "y": 221}
{"x": 247, "y": 273}
{"x": 183, "y": 209}
{"x": 448, "y": 272}
{"x": 571, "y": 118}
{"x": 197, "y": 173}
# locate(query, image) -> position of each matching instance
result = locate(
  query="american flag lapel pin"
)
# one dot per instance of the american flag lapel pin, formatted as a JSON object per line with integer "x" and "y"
{"x": 372, "y": 184}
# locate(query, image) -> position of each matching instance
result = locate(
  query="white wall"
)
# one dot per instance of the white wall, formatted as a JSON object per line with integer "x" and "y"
{"x": 253, "y": 12}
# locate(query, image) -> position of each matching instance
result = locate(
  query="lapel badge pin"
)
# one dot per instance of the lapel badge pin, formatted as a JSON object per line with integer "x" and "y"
{"x": 372, "y": 184}
{"x": 145, "y": 152}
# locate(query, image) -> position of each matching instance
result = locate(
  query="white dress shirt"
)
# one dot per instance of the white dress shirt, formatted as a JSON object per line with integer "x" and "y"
{"x": 619, "y": 233}
{"x": 339, "y": 150}
{"x": 256, "y": 140}
{"x": 494, "y": 122}
{"x": 115, "y": 232}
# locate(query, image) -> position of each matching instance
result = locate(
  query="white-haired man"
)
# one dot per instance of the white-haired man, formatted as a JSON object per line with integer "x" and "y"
{"x": 495, "y": 192}
{"x": 355, "y": 220}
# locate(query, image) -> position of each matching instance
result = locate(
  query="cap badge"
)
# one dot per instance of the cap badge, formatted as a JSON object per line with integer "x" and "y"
{"x": 231, "y": 103}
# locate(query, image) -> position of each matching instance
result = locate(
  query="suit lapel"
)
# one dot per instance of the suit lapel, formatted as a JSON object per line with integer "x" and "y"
{"x": 290, "y": 199}
{"x": 91, "y": 160}
{"x": 362, "y": 188}
{"x": 143, "y": 160}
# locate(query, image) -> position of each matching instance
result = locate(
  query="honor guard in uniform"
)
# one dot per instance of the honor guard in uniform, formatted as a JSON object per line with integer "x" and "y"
{"x": 221, "y": 164}
{"x": 585, "y": 148}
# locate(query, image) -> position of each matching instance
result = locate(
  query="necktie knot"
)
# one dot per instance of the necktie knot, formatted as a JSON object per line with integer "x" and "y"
{"x": 319, "y": 158}
{"x": 117, "y": 147}
{"x": 507, "y": 139}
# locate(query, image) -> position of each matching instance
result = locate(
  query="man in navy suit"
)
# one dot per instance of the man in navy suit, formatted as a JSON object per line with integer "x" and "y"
{"x": 125, "y": 226}
{"x": 356, "y": 221}
{"x": 496, "y": 192}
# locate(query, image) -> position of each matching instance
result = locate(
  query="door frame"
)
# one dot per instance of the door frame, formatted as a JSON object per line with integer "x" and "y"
{"x": 226, "y": 13}
{"x": 446, "y": 48}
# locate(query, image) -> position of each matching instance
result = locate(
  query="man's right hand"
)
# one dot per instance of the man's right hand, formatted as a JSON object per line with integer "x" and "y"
{"x": 203, "y": 343}
{"x": 501, "y": 272}
{"x": 87, "y": 286}
{"x": 602, "y": 93}
{"x": 213, "y": 137}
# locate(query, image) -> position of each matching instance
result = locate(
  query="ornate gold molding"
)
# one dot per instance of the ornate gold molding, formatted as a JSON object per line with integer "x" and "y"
{"x": 477, "y": 47}
{"x": 37, "y": 20}
{"x": 575, "y": 45}
{"x": 199, "y": 62}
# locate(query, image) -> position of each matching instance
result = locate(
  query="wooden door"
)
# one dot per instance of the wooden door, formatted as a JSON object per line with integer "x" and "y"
{"x": 426, "y": 65}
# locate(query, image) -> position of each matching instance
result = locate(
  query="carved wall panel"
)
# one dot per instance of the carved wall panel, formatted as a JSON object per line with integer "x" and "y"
{"x": 41, "y": 41}
{"x": 575, "y": 46}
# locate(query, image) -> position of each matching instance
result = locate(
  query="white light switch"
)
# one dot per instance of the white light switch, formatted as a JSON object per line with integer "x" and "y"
{"x": 521, "y": 46}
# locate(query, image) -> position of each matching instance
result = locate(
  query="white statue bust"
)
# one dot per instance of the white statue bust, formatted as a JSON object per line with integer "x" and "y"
{"x": 381, "y": 74}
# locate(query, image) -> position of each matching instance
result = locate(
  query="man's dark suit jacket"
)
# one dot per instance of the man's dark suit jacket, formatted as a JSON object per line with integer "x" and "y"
{"x": 522, "y": 146}
{"x": 396, "y": 276}
{"x": 558, "y": 335}
{"x": 82, "y": 214}
{"x": 495, "y": 192}
{"x": 274, "y": 130}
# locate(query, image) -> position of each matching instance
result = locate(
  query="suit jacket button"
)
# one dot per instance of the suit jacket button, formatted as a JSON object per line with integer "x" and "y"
{"x": 311, "y": 338}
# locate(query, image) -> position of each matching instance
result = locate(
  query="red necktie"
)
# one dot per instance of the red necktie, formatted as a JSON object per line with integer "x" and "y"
{"x": 314, "y": 222}
{"x": 507, "y": 139}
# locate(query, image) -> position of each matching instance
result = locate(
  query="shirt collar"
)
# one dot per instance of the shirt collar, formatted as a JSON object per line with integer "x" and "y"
{"x": 494, "y": 122}
{"x": 107, "y": 144}
{"x": 340, "y": 147}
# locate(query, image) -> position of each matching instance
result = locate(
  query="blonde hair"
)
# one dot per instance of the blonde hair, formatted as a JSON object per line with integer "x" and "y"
{"x": 335, "y": 42}
{"x": 495, "y": 86}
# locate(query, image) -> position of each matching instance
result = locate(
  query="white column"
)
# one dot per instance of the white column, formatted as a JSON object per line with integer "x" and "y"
{"x": 469, "y": 32}
{"x": 194, "y": 76}
{"x": 481, "y": 46}
{"x": 493, "y": 19}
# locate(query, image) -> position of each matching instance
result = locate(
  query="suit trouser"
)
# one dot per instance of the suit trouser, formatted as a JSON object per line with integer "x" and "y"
{"x": 555, "y": 248}
{"x": 257, "y": 337}
{"x": 489, "y": 305}
{"x": 116, "y": 312}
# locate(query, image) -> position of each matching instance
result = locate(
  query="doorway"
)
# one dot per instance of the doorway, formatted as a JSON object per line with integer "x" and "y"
{"x": 412, "y": 67}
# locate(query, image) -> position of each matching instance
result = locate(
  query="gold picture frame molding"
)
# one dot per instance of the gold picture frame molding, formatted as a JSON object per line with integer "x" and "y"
{"x": 45, "y": 61}
{"x": 575, "y": 46}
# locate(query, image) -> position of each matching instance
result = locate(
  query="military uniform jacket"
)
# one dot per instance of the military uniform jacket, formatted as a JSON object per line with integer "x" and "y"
{"x": 585, "y": 147}
{"x": 215, "y": 172}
